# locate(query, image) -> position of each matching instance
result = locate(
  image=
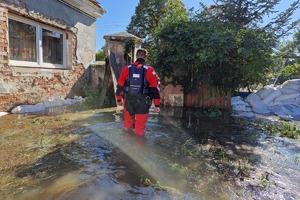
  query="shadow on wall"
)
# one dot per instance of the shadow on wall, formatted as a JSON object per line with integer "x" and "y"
{"x": 96, "y": 80}
{"x": 114, "y": 65}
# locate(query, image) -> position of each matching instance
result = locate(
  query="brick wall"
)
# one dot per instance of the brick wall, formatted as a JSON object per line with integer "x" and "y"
{"x": 24, "y": 85}
{"x": 4, "y": 70}
{"x": 31, "y": 86}
{"x": 3, "y": 37}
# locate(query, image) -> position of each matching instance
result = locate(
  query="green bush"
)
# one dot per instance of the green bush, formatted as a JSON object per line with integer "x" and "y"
{"x": 213, "y": 112}
{"x": 290, "y": 72}
{"x": 92, "y": 96}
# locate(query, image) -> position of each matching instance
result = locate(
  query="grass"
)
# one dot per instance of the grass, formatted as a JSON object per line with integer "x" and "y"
{"x": 36, "y": 137}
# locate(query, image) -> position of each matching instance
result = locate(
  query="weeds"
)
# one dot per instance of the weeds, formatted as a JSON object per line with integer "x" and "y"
{"x": 264, "y": 180}
{"x": 189, "y": 149}
{"x": 283, "y": 128}
{"x": 296, "y": 160}
{"x": 92, "y": 97}
{"x": 39, "y": 121}
{"x": 243, "y": 167}
{"x": 288, "y": 130}
{"x": 198, "y": 114}
{"x": 222, "y": 153}
{"x": 94, "y": 100}
{"x": 213, "y": 112}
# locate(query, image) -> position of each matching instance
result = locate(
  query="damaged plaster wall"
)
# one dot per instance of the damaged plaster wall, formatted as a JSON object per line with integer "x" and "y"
{"x": 26, "y": 85}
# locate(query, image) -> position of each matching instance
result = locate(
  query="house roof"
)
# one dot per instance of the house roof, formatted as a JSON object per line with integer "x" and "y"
{"x": 96, "y": 3}
{"x": 90, "y": 7}
{"x": 121, "y": 35}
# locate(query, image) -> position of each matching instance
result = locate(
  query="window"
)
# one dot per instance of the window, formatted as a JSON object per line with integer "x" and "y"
{"x": 22, "y": 41}
{"x": 52, "y": 47}
{"x": 35, "y": 45}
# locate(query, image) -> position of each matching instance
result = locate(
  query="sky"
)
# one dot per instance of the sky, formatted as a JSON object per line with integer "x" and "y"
{"x": 118, "y": 15}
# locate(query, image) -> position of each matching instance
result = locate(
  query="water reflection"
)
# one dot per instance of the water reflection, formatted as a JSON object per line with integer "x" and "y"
{"x": 87, "y": 155}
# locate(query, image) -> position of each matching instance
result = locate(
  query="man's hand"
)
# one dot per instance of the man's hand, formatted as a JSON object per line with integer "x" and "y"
{"x": 156, "y": 109}
{"x": 119, "y": 103}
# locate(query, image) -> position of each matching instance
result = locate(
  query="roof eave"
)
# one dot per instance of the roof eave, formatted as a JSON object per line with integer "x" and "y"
{"x": 92, "y": 9}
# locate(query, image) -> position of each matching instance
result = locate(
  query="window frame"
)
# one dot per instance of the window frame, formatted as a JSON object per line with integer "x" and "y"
{"x": 39, "y": 38}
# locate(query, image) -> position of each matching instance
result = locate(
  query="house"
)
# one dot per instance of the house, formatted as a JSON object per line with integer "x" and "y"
{"x": 45, "y": 48}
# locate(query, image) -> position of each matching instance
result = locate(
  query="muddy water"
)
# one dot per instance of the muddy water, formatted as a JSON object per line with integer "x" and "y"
{"x": 87, "y": 155}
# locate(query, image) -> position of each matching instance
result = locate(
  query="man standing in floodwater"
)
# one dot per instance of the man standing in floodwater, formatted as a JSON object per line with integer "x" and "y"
{"x": 138, "y": 86}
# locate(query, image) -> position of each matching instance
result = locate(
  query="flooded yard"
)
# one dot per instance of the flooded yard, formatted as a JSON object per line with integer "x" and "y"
{"x": 87, "y": 155}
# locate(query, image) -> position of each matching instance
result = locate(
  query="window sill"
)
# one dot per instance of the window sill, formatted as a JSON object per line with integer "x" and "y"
{"x": 35, "y": 65}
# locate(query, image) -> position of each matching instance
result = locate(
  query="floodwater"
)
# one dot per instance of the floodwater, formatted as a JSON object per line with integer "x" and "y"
{"x": 86, "y": 155}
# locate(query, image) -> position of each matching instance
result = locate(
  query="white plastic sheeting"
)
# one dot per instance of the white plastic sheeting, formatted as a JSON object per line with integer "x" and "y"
{"x": 3, "y": 113}
{"x": 41, "y": 107}
{"x": 282, "y": 100}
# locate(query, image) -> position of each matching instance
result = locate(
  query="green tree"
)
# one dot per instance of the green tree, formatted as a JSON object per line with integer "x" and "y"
{"x": 291, "y": 48}
{"x": 224, "y": 45}
{"x": 245, "y": 13}
{"x": 101, "y": 54}
{"x": 150, "y": 16}
{"x": 209, "y": 53}
{"x": 289, "y": 56}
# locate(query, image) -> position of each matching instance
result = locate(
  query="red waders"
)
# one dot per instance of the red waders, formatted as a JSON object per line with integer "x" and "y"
{"x": 136, "y": 122}
{"x": 136, "y": 112}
